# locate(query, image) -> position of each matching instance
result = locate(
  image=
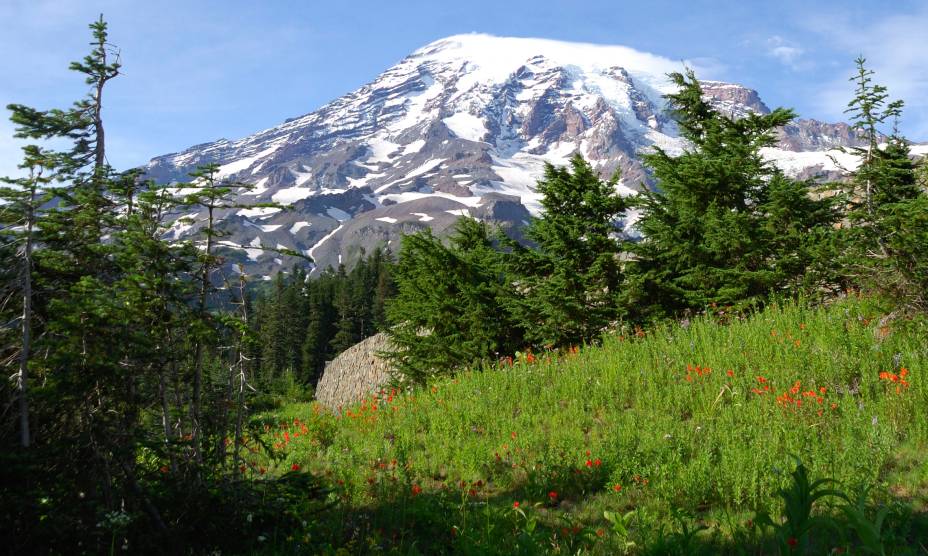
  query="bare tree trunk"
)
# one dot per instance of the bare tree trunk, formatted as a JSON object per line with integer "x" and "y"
{"x": 240, "y": 406}
{"x": 198, "y": 353}
{"x": 22, "y": 379}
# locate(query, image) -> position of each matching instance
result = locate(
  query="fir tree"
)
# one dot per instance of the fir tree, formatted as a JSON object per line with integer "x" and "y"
{"x": 711, "y": 230}
{"x": 451, "y": 306}
{"x": 19, "y": 208}
{"x": 571, "y": 281}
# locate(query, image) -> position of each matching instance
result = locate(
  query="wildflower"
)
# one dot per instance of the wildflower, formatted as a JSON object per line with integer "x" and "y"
{"x": 600, "y": 532}
{"x": 589, "y": 463}
{"x": 552, "y": 495}
{"x": 617, "y": 488}
{"x": 472, "y": 492}
{"x": 295, "y": 467}
{"x": 730, "y": 373}
{"x": 597, "y": 462}
{"x": 792, "y": 541}
{"x": 416, "y": 489}
{"x": 515, "y": 504}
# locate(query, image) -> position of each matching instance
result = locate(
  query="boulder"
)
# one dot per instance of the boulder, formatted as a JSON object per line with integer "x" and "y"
{"x": 354, "y": 374}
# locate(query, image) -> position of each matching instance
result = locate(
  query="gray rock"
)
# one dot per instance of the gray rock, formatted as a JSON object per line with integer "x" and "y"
{"x": 355, "y": 374}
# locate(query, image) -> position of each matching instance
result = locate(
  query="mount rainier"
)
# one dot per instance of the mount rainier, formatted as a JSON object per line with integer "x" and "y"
{"x": 461, "y": 127}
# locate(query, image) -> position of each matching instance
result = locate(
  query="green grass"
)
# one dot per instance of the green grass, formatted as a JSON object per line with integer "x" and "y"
{"x": 707, "y": 450}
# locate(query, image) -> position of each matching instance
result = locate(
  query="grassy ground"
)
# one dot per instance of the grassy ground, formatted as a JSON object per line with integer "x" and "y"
{"x": 633, "y": 445}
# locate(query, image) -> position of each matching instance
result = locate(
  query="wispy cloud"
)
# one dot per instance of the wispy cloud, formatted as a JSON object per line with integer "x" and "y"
{"x": 787, "y": 52}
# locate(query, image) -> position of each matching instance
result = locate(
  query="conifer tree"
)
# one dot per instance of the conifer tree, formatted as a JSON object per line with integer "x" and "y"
{"x": 886, "y": 207}
{"x": 571, "y": 281}
{"x": 710, "y": 230}
{"x": 451, "y": 309}
{"x": 19, "y": 208}
{"x": 209, "y": 192}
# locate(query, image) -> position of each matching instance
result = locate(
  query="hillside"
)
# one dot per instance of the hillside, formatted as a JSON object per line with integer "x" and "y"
{"x": 680, "y": 425}
{"x": 461, "y": 126}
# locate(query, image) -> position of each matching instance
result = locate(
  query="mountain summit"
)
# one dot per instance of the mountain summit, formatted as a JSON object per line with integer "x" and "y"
{"x": 460, "y": 127}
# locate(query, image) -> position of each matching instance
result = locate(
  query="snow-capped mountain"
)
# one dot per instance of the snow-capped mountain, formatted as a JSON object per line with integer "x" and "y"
{"x": 462, "y": 126}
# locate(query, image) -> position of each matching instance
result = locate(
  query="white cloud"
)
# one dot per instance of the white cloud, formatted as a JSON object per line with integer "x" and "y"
{"x": 787, "y": 52}
{"x": 895, "y": 49}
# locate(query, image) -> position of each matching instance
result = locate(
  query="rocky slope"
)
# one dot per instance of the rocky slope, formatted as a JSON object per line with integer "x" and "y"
{"x": 461, "y": 127}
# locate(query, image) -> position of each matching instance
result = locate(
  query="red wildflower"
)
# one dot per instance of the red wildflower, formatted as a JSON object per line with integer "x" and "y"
{"x": 589, "y": 463}
{"x": 295, "y": 467}
{"x": 730, "y": 373}
{"x": 515, "y": 504}
{"x": 617, "y": 488}
{"x": 552, "y": 495}
{"x": 416, "y": 489}
{"x": 597, "y": 462}
{"x": 600, "y": 532}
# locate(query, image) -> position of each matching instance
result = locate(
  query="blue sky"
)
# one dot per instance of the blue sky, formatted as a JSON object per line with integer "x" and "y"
{"x": 195, "y": 71}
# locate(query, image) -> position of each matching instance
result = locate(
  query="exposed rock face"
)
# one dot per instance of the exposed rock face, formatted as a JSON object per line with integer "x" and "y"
{"x": 457, "y": 126}
{"x": 354, "y": 374}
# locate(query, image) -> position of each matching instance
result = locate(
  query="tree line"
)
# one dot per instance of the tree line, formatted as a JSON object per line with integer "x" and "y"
{"x": 300, "y": 324}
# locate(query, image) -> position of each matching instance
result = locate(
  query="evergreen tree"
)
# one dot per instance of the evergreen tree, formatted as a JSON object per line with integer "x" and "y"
{"x": 19, "y": 208}
{"x": 711, "y": 229}
{"x": 885, "y": 202}
{"x": 571, "y": 281}
{"x": 451, "y": 306}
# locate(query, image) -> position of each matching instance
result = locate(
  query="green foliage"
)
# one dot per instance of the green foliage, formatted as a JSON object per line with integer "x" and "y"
{"x": 302, "y": 323}
{"x": 724, "y": 226}
{"x": 906, "y": 277}
{"x": 450, "y": 309}
{"x": 886, "y": 201}
{"x": 569, "y": 284}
